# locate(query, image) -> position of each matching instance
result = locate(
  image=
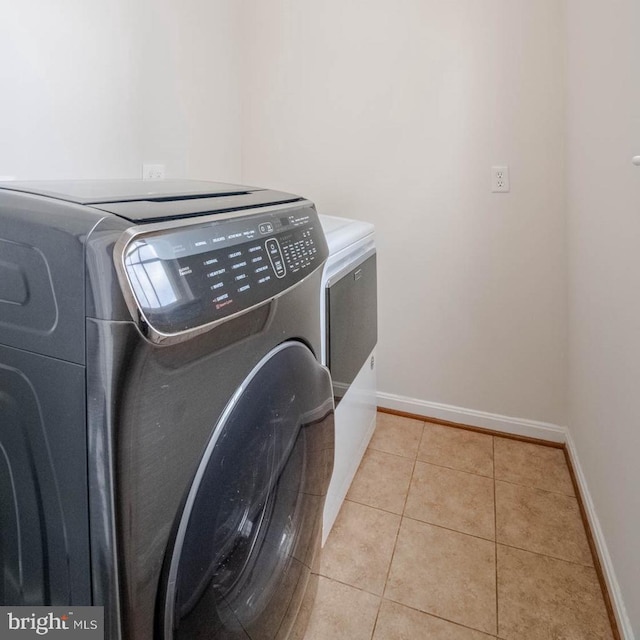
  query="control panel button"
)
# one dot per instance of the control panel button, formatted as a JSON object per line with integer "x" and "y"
{"x": 275, "y": 255}
{"x": 266, "y": 227}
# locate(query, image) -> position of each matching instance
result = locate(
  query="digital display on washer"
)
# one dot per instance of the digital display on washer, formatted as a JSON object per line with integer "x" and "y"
{"x": 189, "y": 277}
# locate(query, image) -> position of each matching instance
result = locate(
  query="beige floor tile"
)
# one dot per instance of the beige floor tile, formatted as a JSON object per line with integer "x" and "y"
{"x": 541, "y": 598}
{"x": 396, "y": 622}
{"x": 453, "y": 499}
{"x": 382, "y": 481}
{"x": 342, "y": 613}
{"x": 448, "y": 574}
{"x": 540, "y": 521}
{"x": 395, "y": 434}
{"x": 532, "y": 465}
{"x": 457, "y": 449}
{"x": 360, "y": 546}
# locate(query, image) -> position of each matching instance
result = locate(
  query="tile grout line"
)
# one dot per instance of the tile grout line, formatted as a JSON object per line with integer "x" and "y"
{"x": 351, "y": 586}
{"x": 364, "y": 504}
{"x": 444, "y": 466}
{"x": 546, "y": 555}
{"x": 375, "y": 622}
{"x": 439, "y": 526}
{"x": 389, "y": 453}
{"x": 395, "y": 543}
{"x": 346, "y": 499}
{"x": 532, "y": 486}
{"x": 404, "y": 504}
{"x": 430, "y": 614}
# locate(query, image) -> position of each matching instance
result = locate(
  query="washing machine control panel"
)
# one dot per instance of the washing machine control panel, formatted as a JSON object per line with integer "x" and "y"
{"x": 187, "y": 277}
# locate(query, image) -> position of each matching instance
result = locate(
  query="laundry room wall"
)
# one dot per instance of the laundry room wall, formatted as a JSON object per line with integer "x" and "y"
{"x": 94, "y": 89}
{"x": 190, "y": 86}
{"x": 603, "y": 195}
{"x": 393, "y": 112}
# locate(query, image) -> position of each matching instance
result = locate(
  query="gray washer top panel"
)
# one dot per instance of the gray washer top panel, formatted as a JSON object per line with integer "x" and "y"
{"x": 96, "y": 191}
{"x": 152, "y": 201}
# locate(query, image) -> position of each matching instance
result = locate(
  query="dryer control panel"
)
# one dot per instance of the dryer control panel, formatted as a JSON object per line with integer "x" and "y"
{"x": 180, "y": 278}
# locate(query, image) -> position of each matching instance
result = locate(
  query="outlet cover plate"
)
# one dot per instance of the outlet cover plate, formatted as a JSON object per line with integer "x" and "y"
{"x": 153, "y": 171}
{"x": 500, "y": 179}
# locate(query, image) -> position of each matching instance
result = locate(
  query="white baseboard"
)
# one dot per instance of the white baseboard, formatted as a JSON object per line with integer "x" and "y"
{"x": 473, "y": 418}
{"x": 624, "y": 624}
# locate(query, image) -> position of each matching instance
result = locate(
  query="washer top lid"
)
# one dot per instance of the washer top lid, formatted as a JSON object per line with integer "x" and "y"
{"x": 144, "y": 201}
{"x": 103, "y": 191}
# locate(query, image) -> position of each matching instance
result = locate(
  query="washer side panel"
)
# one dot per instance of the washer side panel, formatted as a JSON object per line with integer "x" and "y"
{"x": 43, "y": 490}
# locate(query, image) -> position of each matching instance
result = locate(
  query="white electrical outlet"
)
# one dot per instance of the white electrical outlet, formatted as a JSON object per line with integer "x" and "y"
{"x": 500, "y": 179}
{"x": 153, "y": 172}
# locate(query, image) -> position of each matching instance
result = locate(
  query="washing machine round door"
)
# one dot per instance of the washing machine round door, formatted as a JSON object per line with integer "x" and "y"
{"x": 246, "y": 541}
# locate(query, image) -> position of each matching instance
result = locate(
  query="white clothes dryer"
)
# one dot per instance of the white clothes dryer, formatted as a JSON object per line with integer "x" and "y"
{"x": 348, "y": 307}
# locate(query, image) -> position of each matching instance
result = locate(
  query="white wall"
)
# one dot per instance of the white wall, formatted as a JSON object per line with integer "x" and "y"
{"x": 93, "y": 89}
{"x": 603, "y": 124}
{"x": 393, "y": 112}
{"x": 386, "y": 111}
{"x": 190, "y": 86}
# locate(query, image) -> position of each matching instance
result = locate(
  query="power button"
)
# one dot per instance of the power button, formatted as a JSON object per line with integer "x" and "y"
{"x": 265, "y": 227}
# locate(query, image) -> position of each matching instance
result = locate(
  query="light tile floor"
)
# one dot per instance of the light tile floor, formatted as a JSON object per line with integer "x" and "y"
{"x": 449, "y": 534}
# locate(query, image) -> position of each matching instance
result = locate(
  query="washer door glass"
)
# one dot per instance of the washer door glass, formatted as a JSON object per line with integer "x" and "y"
{"x": 249, "y": 531}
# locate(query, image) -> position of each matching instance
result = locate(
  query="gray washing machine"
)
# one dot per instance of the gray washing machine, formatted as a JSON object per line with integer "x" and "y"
{"x": 166, "y": 428}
